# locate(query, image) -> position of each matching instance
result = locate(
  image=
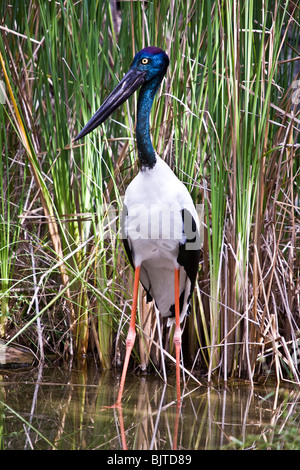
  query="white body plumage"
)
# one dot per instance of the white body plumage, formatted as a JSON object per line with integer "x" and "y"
{"x": 154, "y": 229}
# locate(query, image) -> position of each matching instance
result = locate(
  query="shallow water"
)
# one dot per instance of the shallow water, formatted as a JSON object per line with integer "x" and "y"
{"x": 66, "y": 409}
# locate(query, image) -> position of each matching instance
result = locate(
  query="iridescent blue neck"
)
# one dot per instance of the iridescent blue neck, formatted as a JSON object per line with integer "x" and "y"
{"x": 146, "y": 151}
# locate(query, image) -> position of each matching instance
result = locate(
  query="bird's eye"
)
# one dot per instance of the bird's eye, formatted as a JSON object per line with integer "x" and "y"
{"x": 145, "y": 61}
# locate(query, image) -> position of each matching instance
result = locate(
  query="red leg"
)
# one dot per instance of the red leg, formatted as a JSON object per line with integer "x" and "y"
{"x": 131, "y": 335}
{"x": 177, "y": 334}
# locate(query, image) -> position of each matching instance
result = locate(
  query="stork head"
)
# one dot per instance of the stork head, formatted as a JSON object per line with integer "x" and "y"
{"x": 152, "y": 62}
{"x": 148, "y": 67}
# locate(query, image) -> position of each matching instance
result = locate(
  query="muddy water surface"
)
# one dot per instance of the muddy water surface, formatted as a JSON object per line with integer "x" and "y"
{"x": 66, "y": 408}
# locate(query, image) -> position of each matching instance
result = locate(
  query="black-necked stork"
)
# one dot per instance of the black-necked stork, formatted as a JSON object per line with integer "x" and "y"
{"x": 160, "y": 223}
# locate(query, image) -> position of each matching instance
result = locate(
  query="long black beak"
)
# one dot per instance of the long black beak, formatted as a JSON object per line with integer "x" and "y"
{"x": 127, "y": 86}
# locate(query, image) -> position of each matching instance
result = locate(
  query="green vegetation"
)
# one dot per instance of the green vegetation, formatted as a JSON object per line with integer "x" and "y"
{"x": 227, "y": 122}
{"x": 289, "y": 439}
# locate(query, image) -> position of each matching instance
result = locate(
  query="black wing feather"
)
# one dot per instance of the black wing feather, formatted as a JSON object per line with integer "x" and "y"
{"x": 189, "y": 252}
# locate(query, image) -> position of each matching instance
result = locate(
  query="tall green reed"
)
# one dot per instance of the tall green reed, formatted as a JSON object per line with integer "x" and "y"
{"x": 10, "y": 182}
{"x": 244, "y": 48}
